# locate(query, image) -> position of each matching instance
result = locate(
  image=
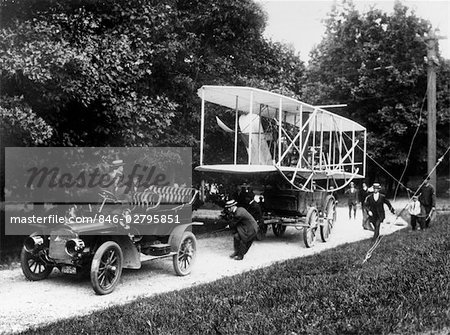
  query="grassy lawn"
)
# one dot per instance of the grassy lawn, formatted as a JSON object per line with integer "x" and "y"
{"x": 404, "y": 288}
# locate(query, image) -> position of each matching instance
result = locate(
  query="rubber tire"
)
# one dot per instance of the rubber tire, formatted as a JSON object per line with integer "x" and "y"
{"x": 25, "y": 256}
{"x": 325, "y": 231}
{"x": 96, "y": 284}
{"x": 278, "y": 229}
{"x": 184, "y": 255}
{"x": 309, "y": 233}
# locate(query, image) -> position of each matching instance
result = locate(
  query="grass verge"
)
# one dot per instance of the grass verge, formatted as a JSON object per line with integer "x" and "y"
{"x": 404, "y": 288}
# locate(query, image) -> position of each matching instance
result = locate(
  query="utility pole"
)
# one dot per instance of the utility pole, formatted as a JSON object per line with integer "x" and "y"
{"x": 431, "y": 41}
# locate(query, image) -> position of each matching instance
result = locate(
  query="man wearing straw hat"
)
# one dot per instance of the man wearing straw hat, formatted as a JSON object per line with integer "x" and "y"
{"x": 244, "y": 229}
{"x": 374, "y": 205}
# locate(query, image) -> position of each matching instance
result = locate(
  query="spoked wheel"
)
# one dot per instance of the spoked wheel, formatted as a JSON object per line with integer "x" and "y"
{"x": 329, "y": 218}
{"x": 185, "y": 257}
{"x": 262, "y": 231}
{"x": 278, "y": 229}
{"x": 106, "y": 268}
{"x": 33, "y": 266}
{"x": 309, "y": 233}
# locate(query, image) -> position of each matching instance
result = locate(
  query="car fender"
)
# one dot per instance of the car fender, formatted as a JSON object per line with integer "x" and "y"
{"x": 177, "y": 234}
{"x": 131, "y": 257}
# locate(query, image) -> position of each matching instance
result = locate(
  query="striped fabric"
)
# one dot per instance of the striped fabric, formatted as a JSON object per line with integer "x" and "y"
{"x": 145, "y": 199}
{"x": 156, "y": 195}
{"x": 174, "y": 195}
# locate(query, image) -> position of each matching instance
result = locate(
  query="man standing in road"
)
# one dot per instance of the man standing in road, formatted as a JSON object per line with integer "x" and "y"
{"x": 374, "y": 205}
{"x": 363, "y": 194}
{"x": 427, "y": 199}
{"x": 352, "y": 200}
{"x": 244, "y": 229}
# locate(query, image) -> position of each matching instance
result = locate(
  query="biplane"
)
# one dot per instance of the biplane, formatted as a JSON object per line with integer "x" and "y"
{"x": 303, "y": 153}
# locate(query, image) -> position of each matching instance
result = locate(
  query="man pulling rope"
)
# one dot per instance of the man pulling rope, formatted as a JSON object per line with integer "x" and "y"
{"x": 379, "y": 238}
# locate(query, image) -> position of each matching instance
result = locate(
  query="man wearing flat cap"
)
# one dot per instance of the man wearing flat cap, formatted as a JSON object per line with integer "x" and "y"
{"x": 244, "y": 229}
{"x": 374, "y": 206}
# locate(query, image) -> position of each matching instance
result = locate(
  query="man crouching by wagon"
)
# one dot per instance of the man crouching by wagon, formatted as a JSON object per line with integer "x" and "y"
{"x": 244, "y": 229}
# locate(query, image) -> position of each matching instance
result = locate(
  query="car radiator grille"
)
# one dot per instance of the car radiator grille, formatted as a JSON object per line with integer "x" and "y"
{"x": 57, "y": 249}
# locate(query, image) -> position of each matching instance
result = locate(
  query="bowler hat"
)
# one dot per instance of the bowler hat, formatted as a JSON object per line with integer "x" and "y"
{"x": 230, "y": 203}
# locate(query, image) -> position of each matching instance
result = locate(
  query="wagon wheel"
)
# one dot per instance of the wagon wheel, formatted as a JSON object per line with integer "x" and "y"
{"x": 278, "y": 229}
{"x": 262, "y": 231}
{"x": 309, "y": 233}
{"x": 185, "y": 257}
{"x": 106, "y": 268}
{"x": 33, "y": 266}
{"x": 329, "y": 217}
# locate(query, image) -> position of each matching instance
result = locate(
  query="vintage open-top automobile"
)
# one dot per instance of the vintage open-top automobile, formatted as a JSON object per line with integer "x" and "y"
{"x": 149, "y": 226}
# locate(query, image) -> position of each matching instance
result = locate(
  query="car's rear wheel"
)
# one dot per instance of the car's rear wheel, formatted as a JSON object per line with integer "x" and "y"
{"x": 106, "y": 268}
{"x": 33, "y": 266}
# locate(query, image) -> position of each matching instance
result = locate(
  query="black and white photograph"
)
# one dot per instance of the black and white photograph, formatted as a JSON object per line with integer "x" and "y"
{"x": 224, "y": 167}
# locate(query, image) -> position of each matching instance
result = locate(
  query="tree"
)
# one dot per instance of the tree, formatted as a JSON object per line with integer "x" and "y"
{"x": 126, "y": 73}
{"x": 374, "y": 62}
{"x": 84, "y": 68}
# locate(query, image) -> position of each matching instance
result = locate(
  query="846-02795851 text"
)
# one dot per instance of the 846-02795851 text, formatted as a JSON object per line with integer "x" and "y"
{"x": 139, "y": 218}
{"x": 101, "y": 218}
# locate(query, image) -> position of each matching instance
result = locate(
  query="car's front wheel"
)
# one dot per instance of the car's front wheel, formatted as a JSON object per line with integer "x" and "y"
{"x": 106, "y": 268}
{"x": 33, "y": 266}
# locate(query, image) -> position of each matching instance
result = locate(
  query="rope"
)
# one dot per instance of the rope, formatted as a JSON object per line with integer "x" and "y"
{"x": 372, "y": 249}
{"x": 379, "y": 165}
{"x": 413, "y": 139}
{"x": 380, "y": 237}
{"x": 386, "y": 171}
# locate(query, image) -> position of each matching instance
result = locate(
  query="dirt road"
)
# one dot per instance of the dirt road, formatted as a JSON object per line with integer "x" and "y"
{"x": 24, "y": 304}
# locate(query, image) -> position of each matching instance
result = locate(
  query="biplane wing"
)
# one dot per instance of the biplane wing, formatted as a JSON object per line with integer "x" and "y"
{"x": 301, "y": 141}
{"x": 237, "y": 168}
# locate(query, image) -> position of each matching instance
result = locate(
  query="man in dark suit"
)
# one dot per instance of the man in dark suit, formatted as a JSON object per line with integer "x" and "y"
{"x": 254, "y": 208}
{"x": 244, "y": 229}
{"x": 427, "y": 199}
{"x": 374, "y": 206}
{"x": 363, "y": 194}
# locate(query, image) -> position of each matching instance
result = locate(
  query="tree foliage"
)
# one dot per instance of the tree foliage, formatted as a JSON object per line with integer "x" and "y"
{"x": 374, "y": 62}
{"x": 126, "y": 72}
